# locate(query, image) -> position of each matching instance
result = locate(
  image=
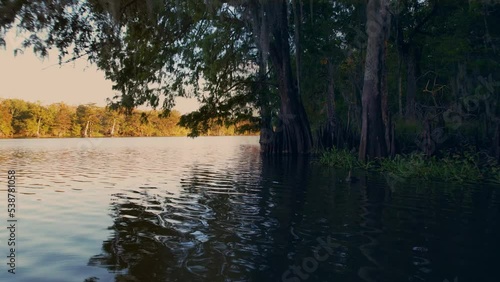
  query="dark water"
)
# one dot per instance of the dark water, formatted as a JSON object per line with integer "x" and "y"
{"x": 211, "y": 209}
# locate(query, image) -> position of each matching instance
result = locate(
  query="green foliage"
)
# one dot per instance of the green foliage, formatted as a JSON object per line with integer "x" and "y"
{"x": 24, "y": 119}
{"x": 466, "y": 166}
{"x": 444, "y": 169}
{"x": 340, "y": 158}
{"x": 5, "y": 120}
{"x": 63, "y": 120}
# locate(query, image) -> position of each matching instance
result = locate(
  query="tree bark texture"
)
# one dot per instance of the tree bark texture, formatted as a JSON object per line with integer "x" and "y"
{"x": 411, "y": 82}
{"x": 293, "y": 134}
{"x": 373, "y": 142}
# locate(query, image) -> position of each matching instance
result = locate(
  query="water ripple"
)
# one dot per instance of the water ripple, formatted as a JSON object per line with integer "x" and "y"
{"x": 211, "y": 209}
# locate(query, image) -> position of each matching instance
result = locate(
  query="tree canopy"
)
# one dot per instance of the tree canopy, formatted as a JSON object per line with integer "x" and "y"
{"x": 296, "y": 69}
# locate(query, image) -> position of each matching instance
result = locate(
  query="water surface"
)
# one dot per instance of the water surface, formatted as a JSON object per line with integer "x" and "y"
{"x": 211, "y": 209}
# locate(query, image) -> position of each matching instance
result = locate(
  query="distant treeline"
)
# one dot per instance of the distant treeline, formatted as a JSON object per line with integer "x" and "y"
{"x": 19, "y": 118}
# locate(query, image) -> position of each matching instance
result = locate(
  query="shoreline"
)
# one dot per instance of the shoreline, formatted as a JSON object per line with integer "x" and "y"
{"x": 75, "y": 137}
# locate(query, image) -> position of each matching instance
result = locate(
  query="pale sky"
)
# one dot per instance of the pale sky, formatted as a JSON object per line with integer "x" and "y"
{"x": 31, "y": 79}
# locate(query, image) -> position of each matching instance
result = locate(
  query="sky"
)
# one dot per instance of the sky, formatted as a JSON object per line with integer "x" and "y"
{"x": 32, "y": 79}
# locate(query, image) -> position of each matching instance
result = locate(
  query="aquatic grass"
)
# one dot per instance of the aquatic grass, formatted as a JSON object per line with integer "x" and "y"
{"x": 447, "y": 169}
{"x": 468, "y": 166}
{"x": 340, "y": 158}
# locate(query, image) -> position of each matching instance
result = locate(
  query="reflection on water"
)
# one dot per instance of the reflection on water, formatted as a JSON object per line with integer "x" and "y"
{"x": 210, "y": 209}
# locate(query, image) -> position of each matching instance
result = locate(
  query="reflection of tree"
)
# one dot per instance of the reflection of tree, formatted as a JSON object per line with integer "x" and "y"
{"x": 220, "y": 226}
{"x": 253, "y": 219}
{"x": 132, "y": 246}
{"x": 372, "y": 207}
{"x": 247, "y": 221}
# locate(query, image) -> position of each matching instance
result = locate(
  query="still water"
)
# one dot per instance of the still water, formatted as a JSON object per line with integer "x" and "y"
{"x": 211, "y": 209}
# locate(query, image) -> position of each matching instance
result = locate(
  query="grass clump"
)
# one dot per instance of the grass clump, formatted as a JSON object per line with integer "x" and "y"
{"x": 418, "y": 166}
{"x": 342, "y": 158}
{"x": 467, "y": 166}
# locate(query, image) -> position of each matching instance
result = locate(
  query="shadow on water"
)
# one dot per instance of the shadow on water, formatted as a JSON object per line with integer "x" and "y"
{"x": 292, "y": 220}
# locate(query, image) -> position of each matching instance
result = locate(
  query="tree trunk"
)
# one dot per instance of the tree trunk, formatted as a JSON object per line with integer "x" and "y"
{"x": 400, "y": 43}
{"x": 411, "y": 88}
{"x": 496, "y": 143}
{"x": 38, "y": 127}
{"x": 266, "y": 130}
{"x": 427, "y": 142}
{"x": 328, "y": 134}
{"x": 258, "y": 19}
{"x": 297, "y": 15}
{"x": 331, "y": 126}
{"x": 293, "y": 134}
{"x": 372, "y": 142}
{"x": 85, "y": 132}
{"x": 400, "y": 89}
{"x": 113, "y": 128}
{"x": 386, "y": 117}
{"x": 461, "y": 78}
{"x": 330, "y": 95}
